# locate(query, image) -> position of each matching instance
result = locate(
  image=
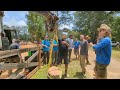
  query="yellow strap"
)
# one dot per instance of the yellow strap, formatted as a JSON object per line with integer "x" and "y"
{"x": 51, "y": 49}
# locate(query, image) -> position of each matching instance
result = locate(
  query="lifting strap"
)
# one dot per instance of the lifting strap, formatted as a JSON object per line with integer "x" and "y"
{"x": 51, "y": 48}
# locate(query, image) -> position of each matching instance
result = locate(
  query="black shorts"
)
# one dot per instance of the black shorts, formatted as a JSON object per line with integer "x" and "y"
{"x": 66, "y": 61}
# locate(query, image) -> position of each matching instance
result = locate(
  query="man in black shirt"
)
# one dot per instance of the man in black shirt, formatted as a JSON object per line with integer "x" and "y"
{"x": 63, "y": 52}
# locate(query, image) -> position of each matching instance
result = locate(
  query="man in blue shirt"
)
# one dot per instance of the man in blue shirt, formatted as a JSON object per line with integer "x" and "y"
{"x": 76, "y": 48}
{"x": 46, "y": 48}
{"x": 103, "y": 52}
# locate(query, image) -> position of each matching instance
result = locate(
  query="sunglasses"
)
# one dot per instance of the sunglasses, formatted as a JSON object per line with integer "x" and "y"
{"x": 102, "y": 30}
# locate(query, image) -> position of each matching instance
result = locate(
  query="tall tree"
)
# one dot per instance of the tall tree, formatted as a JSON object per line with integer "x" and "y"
{"x": 115, "y": 26}
{"x": 87, "y": 22}
{"x": 36, "y": 25}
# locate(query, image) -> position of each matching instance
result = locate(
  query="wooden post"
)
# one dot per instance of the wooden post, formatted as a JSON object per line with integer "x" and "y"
{"x": 39, "y": 56}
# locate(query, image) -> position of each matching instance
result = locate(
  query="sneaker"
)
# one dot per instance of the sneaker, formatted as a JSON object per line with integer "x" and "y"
{"x": 0, "y": 72}
{"x": 66, "y": 75}
{"x": 93, "y": 74}
{"x": 94, "y": 77}
{"x": 88, "y": 63}
{"x": 84, "y": 73}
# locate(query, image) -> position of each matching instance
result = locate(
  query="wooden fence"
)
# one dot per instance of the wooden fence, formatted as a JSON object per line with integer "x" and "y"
{"x": 22, "y": 64}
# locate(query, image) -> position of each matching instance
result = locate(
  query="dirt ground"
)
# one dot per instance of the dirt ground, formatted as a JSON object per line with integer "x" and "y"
{"x": 113, "y": 68}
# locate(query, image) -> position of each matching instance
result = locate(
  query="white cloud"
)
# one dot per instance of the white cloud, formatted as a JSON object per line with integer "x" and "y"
{"x": 15, "y": 18}
{"x": 14, "y": 22}
{"x": 66, "y": 26}
{"x": 21, "y": 23}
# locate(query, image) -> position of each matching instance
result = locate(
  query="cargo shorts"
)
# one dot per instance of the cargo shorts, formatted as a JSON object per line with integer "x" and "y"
{"x": 101, "y": 70}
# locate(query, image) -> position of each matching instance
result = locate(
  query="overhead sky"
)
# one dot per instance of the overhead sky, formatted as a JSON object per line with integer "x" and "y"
{"x": 15, "y": 18}
{"x": 18, "y": 18}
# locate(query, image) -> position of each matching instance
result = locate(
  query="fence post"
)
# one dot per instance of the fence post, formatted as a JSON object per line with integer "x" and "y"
{"x": 39, "y": 56}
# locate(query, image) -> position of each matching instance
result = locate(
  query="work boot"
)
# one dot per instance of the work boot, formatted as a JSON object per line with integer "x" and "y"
{"x": 66, "y": 75}
{"x": 88, "y": 63}
{"x": 0, "y": 72}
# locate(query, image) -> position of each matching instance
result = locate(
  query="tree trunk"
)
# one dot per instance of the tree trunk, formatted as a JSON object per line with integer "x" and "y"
{"x": 54, "y": 73}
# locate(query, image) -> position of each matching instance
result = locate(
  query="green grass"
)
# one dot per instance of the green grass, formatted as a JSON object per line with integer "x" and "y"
{"x": 116, "y": 53}
{"x": 74, "y": 71}
{"x": 41, "y": 73}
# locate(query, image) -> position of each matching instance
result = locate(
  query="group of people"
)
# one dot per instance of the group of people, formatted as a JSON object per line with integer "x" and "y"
{"x": 63, "y": 48}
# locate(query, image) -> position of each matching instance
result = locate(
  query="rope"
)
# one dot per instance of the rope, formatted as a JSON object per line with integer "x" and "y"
{"x": 51, "y": 49}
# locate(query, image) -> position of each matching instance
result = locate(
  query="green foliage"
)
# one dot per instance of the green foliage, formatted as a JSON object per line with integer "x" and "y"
{"x": 65, "y": 18}
{"x": 36, "y": 26}
{"x": 74, "y": 33}
{"x": 116, "y": 29}
{"x": 22, "y": 32}
{"x": 87, "y": 22}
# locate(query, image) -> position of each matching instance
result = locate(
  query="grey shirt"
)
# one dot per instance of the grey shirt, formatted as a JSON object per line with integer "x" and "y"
{"x": 14, "y": 46}
{"x": 70, "y": 42}
{"x": 84, "y": 48}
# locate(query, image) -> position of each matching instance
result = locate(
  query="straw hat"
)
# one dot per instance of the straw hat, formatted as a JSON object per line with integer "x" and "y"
{"x": 87, "y": 36}
{"x": 105, "y": 27}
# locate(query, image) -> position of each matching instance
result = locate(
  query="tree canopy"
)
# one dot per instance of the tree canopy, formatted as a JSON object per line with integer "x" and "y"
{"x": 36, "y": 26}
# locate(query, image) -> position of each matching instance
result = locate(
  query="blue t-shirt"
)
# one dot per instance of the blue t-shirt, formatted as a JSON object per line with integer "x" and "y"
{"x": 47, "y": 43}
{"x": 103, "y": 51}
{"x": 55, "y": 48}
{"x": 76, "y": 44}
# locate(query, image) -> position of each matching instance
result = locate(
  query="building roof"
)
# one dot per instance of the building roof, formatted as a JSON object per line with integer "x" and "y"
{"x": 8, "y": 28}
{"x": 1, "y": 13}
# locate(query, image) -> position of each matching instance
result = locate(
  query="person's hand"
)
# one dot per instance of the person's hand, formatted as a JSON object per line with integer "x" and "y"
{"x": 63, "y": 42}
{"x": 91, "y": 44}
{"x": 46, "y": 46}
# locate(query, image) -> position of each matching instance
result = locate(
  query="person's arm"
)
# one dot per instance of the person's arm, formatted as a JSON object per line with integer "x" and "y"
{"x": 67, "y": 42}
{"x": 101, "y": 44}
{"x": 74, "y": 44}
{"x": 43, "y": 44}
{"x": 55, "y": 45}
{"x": 64, "y": 42}
{"x": 79, "y": 44}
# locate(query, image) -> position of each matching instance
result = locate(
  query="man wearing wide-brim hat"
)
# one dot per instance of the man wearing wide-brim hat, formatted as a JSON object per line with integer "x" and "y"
{"x": 103, "y": 51}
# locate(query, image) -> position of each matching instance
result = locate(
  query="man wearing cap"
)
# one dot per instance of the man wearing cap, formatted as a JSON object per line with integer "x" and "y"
{"x": 46, "y": 48}
{"x": 103, "y": 52}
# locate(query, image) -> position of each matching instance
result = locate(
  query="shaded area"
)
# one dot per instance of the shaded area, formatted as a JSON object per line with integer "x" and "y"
{"x": 79, "y": 75}
{"x": 74, "y": 72}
